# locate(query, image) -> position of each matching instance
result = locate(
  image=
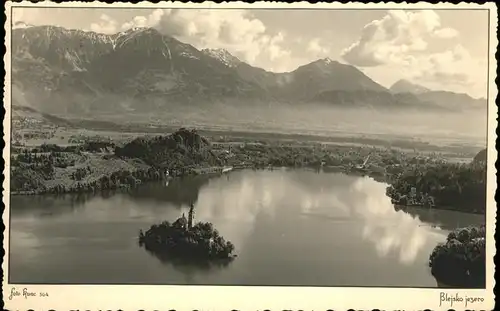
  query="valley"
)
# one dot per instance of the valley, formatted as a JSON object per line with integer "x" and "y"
{"x": 49, "y": 158}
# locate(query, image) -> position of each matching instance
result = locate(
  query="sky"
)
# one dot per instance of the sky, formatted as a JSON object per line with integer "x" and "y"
{"x": 439, "y": 49}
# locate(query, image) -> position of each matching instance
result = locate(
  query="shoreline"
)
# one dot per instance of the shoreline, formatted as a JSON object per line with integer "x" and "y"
{"x": 96, "y": 166}
{"x": 212, "y": 171}
{"x": 399, "y": 207}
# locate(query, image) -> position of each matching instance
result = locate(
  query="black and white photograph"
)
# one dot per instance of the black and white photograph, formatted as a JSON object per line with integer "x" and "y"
{"x": 253, "y": 145}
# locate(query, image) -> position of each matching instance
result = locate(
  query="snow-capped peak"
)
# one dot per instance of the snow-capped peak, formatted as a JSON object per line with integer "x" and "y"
{"x": 133, "y": 29}
{"x": 223, "y": 56}
{"x": 327, "y": 60}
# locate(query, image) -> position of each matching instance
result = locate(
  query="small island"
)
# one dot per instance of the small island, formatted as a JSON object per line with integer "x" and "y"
{"x": 461, "y": 261}
{"x": 199, "y": 243}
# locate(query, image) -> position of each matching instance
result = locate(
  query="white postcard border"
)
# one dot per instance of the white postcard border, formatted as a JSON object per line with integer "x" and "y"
{"x": 164, "y": 297}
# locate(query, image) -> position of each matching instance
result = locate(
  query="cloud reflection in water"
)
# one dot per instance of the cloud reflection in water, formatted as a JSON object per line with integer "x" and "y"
{"x": 235, "y": 206}
{"x": 262, "y": 196}
{"x": 388, "y": 229}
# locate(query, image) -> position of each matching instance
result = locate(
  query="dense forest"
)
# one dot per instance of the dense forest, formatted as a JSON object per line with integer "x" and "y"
{"x": 458, "y": 186}
{"x": 461, "y": 260}
{"x": 181, "y": 149}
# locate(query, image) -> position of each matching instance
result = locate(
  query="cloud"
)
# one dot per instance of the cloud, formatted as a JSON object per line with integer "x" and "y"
{"x": 316, "y": 48}
{"x": 390, "y": 231}
{"x": 454, "y": 68}
{"x": 18, "y": 16}
{"x": 275, "y": 50}
{"x": 37, "y": 16}
{"x": 106, "y": 25}
{"x": 446, "y": 33}
{"x": 20, "y": 24}
{"x": 24, "y": 15}
{"x": 151, "y": 20}
{"x": 410, "y": 42}
{"x": 395, "y": 37}
{"x": 237, "y": 31}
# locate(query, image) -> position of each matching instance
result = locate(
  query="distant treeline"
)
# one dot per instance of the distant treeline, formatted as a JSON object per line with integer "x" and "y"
{"x": 31, "y": 181}
{"x": 88, "y": 146}
{"x": 454, "y": 186}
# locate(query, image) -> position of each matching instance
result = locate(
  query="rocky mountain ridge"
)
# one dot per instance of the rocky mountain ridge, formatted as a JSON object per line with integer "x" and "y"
{"x": 141, "y": 71}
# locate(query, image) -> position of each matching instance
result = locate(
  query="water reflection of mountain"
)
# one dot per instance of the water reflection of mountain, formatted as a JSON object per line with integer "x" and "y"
{"x": 49, "y": 205}
{"x": 178, "y": 191}
{"x": 446, "y": 220}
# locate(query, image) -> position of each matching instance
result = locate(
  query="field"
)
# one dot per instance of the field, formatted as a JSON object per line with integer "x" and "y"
{"x": 242, "y": 121}
{"x": 59, "y": 156}
{"x": 451, "y": 148}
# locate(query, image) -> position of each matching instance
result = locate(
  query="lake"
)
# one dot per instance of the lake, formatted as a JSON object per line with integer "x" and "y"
{"x": 289, "y": 227}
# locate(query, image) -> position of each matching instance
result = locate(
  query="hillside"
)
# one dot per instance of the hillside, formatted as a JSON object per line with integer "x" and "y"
{"x": 443, "y": 99}
{"x": 28, "y": 114}
{"x": 179, "y": 150}
{"x": 312, "y": 82}
{"x": 74, "y": 72}
{"x": 481, "y": 157}
{"x": 308, "y": 82}
{"x": 405, "y": 86}
{"x": 453, "y": 100}
{"x": 223, "y": 56}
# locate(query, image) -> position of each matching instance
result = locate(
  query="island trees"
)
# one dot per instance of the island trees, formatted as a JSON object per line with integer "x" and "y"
{"x": 183, "y": 240}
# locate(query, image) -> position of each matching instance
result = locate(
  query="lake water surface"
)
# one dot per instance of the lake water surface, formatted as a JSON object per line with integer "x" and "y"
{"x": 289, "y": 227}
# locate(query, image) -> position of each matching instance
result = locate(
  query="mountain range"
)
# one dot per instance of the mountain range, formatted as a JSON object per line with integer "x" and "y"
{"x": 445, "y": 98}
{"x": 141, "y": 71}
